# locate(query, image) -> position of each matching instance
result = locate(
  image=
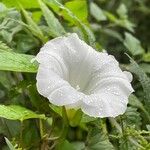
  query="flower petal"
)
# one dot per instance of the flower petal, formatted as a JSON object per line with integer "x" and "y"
{"x": 74, "y": 75}
{"x": 57, "y": 90}
{"x": 108, "y": 89}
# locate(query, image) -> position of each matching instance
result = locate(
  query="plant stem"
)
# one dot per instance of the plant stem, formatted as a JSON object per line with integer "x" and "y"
{"x": 41, "y": 128}
{"x": 116, "y": 124}
{"x": 65, "y": 123}
{"x": 21, "y": 135}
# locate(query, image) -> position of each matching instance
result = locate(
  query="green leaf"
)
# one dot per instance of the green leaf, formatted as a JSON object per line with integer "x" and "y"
{"x": 148, "y": 127}
{"x": 125, "y": 144}
{"x": 55, "y": 27}
{"x": 65, "y": 146}
{"x": 33, "y": 26}
{"x": 4, "y": 47}
{"x": 78, "y": 145}
{"x": 11, "y": 61}
{"x": 87, "y": 33}
{"x": 125, "y": 23}
{"x": 146, "y": 57}
{"x": 122, "y": 11}
{"x": 132, "y": 117}
{"x": 145, "y": 67}
{"x": 11, "y": 147}
{"x": 133, "y": 44}
{"x": 8, "y": 26}
{"x": 112, "y": 33}
{"x": 143, "y": 78}
{"x": 78, "y": 8}
{"x": 75, "y": 120}
{"x": 56, "y": 109}
{"x": 16, "y": 112}
{"x": 134, "y": 101}
{"x": 97, "y": 12}
{"x": 98, "y": 140}
{"x": 24, "y": 3}
{"x": 86, "y": 118}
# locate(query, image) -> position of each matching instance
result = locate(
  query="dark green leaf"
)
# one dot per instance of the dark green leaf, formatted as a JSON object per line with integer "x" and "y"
{"x": 132, "y": 117}
{"x": 65, "y": 146}
{"x": 143, "y": 78}
{"x": 98, "y": 140}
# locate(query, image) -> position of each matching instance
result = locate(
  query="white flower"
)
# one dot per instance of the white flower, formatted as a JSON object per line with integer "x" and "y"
{"x": 74, "y": 75}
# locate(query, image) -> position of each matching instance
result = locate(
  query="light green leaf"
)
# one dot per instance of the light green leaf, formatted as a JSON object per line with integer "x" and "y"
{"x": 75, "y": 120}
{"x": 88, "y": 34}
{"x": 86, "y": 118}
{"x": 55, "y": 27}
{"x": 146, "y": 57}
{"x": 4, "y": 47}
{"x": 25, "y": 3}
{"x": 33, "y": 26}
{"x": 11, "y": 147}
{"x": 97, "y": 12}
{"x": 16, "y": 112}
{"x": 125, "y": 23}
{"x": 133, "y": 44}
{"x": 78, "y": 8}
{"x": 145, "y": 67}
{"x": 78, "y": 145}
{"x": 122, "y": 11}
{"x": 11, "y": 61}
{"x": 56, "y": 109}
{"x": 148, "y": 127}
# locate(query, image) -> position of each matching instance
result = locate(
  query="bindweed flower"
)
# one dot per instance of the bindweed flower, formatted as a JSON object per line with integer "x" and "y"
{"x": 74, "y": 75}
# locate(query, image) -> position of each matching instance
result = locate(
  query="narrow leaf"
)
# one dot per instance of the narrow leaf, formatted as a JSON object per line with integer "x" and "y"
{"x": 11, "y": 147}
{"x": 54, "y": 25}
{"x": 78, "y": 8}
{"x": 16, "y": 112}
{"x": 88, "y": 34}
{"x": 33, "y": 26}
{"x": 11, "y": 61}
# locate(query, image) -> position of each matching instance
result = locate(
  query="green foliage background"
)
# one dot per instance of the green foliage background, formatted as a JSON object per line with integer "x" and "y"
{"x": 27, "y": 120}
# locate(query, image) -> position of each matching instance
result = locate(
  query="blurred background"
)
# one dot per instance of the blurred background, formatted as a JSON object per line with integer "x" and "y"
{"x": 117, "y": 26}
